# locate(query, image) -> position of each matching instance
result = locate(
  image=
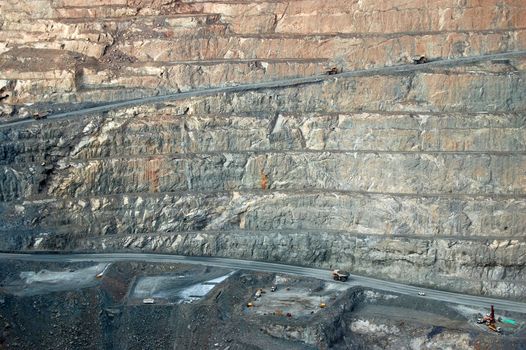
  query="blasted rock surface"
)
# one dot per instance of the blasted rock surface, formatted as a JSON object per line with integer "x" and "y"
{"x": 416, "y": 176}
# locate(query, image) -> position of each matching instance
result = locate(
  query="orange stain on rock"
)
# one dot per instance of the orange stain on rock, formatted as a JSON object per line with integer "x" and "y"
{"x": 264, "y": 180}
{"x": 153, "y": 168}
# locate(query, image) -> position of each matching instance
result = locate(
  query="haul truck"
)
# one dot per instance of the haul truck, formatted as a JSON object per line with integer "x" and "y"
{"x": 340, "y": 275}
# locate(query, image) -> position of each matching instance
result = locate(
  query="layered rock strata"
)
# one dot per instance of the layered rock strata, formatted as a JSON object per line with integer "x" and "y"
{"x": 415, "y": 175}
{"x": 89, "y": 52}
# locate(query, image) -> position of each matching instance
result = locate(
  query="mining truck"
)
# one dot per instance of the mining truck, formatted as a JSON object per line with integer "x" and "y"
{"x": 40, "y": 115}
{"x": 340, "y": 275}
{"x": 332, "y": 71}
{"x": 420, "y": 60}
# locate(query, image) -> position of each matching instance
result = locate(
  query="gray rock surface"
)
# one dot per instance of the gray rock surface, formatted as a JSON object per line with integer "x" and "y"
{"x": 419, "y": 178}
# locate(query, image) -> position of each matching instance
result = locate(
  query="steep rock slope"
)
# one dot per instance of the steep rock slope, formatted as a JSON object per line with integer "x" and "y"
{"x": 414, "y": 175}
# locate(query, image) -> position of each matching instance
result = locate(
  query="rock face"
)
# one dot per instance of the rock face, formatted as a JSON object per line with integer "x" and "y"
{"x": 414, "y": 175}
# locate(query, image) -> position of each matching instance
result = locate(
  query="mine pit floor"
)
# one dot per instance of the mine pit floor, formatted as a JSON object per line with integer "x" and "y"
{"x": 295, "y": 299}
{"x": 65, "y": 306}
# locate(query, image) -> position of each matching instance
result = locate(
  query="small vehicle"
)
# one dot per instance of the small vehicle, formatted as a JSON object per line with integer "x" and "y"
{"x": 40, "y": 115}
{"x": 420, "y": 60}
{"x": 332, "y": 71}
{"x": 340, "y": 275}
{"x": 421, "y": 294}
{"x": 100, "y": 274}
{"x": 494, "y": 328}
{"x": 273, "y": 288}
{"x": 148, "y": 301}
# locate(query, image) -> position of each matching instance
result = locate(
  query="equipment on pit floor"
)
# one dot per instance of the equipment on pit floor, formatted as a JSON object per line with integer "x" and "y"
{"x": 494, "y": 328}
{"x": 322, "y": 304}
{"x": 250, "y": 304}
{"x": 340, "y": 275}
{"x": 489, "y": 320}
{"x": 101, "y": 274}
{"x": 273, "y": 288}
{"x": 148, "y": 301}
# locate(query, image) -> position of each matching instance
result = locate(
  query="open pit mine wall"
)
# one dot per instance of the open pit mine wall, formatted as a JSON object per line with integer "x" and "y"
{"x": 415, "y": 176}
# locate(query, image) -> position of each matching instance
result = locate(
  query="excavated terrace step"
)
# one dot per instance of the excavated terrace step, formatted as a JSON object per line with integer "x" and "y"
{"x": 306, "y": 16}
{"x": 368, "y": 213}
{"x": 317, "y": 248}
{"x": 311, "y": 247}
{"x": 211, "y": 41}
{"x": 409, "y": 173}
{"x": 71, "y": 26}
{"x": 107, "y": 11}
{"x": 300, "y": 16}
{"x": 91, "y": 38}
{"x": 357, "y": 234}
{"x": 90, "y": 44}
{"x": 405, "y": 88}
{"x": 352, "y": 51}
{"x": 185, "y": 76}
{"x": 165, "y": 131}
